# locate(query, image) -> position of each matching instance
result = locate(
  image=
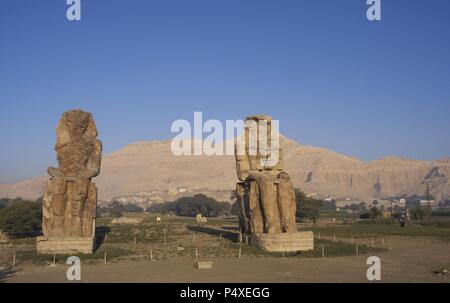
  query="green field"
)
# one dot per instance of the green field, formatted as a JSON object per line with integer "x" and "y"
{"x": 370, "y": 229}
{"x": 216, "y": 239}
{"x": 161, "y": 241}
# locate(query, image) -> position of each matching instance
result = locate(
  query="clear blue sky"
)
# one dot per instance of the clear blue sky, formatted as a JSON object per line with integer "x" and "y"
{"x": 331, "y": 77}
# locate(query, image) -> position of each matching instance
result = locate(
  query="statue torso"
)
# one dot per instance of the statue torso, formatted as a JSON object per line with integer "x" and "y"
{"x": 74, "y": 156}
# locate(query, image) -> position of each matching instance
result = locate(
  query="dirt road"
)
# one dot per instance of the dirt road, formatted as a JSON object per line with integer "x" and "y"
{"x": 410, "y": 260}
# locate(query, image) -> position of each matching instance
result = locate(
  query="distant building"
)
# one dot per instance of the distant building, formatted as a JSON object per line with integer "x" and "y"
{"x": 401, "y": 203}
{"x": 182, "y": 189}
{"x": 201, "y": 219}
{"x": 386, "y": 214}
{"x": 172, "y": 192}
{"x": 428, "y": 203}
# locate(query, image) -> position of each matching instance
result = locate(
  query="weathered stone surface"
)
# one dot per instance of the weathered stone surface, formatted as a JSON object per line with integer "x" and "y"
{"x": 70, "y": 199}
{"x": 269, "y": 202}
{"x": 286, "y": 203}
{"x": 283, "y": 242}
{"x": 203, "y": 264}
{"x": 255, "y": 212}
{"x": 244, "y": 222}
{"x": 52, "y": 245}
{"x": 266, "y": 194}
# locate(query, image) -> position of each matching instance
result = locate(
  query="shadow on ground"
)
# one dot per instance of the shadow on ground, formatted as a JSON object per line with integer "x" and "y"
{"x": 232, "y": 236}
{"x": 5, "y": 273}
{"x": 235, "y": 228}
{"x": 100, "y": 233}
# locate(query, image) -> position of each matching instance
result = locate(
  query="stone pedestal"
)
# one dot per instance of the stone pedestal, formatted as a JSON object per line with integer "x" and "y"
{"x": 65, "y": 246}
{"x": 203, "y": 264}
{"x": 283, "y": 242}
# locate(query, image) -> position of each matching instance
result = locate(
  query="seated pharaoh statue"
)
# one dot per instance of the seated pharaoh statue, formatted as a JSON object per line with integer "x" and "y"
{"x": 265, "y": 192}
{"x": 70, "y": 199}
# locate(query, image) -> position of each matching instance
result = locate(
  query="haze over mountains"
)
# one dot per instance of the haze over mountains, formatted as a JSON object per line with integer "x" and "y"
{"x": 149, "y": 169}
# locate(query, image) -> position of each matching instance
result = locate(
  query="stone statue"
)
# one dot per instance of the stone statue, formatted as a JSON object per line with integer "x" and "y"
{"x": 266, "y": 194}
{"x": 70, "y": 199}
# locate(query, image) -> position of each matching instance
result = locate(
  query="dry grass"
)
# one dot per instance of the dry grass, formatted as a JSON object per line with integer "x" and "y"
{"x": 162, "y": 241}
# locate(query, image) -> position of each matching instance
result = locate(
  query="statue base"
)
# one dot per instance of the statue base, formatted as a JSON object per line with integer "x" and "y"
{"x": 65, "y": 246}
{"x": 283, "y": 242}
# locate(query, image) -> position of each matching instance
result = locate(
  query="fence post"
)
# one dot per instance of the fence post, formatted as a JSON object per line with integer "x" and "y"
{"x": 357, "y": 250}
{"x": 14, "y": 259}
{"x": 104, "y": 260}
{"x": 196, "y": 253}
{"x": 323, "y": 251}
{"x": 151, "y": 254}
{"x": 240, "y": 251}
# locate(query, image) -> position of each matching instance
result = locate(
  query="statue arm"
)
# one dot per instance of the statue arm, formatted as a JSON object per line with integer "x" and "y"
{"x": 53, "y": 171}
{"x": 242, "y": 163}
{"x": 93, "y": 165}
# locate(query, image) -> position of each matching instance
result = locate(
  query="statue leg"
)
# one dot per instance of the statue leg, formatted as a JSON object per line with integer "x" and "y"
{"x": 269, "y": 202}
{"x": 78, "y": 197}
{"x": 254, "y": 207}
{"x": 47, "y": 215}
{"x": 240, "y": 196}
{"x": 89, "y": 212}
{"x": 287, "y": 204}
{"x": 58, "y": 206}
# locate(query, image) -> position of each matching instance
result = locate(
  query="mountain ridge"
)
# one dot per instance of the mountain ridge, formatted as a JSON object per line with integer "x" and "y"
{"x": 146, "y": 166}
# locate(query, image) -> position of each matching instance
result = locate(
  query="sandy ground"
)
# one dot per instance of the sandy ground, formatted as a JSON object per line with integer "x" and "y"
{"x": 410, "y": 260}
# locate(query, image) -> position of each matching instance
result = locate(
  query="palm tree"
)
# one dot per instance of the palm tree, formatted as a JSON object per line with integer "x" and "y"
{"x": 375, "y": 203}
{"x": 354, "y": 207}
{"x": 362, "y": 206}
